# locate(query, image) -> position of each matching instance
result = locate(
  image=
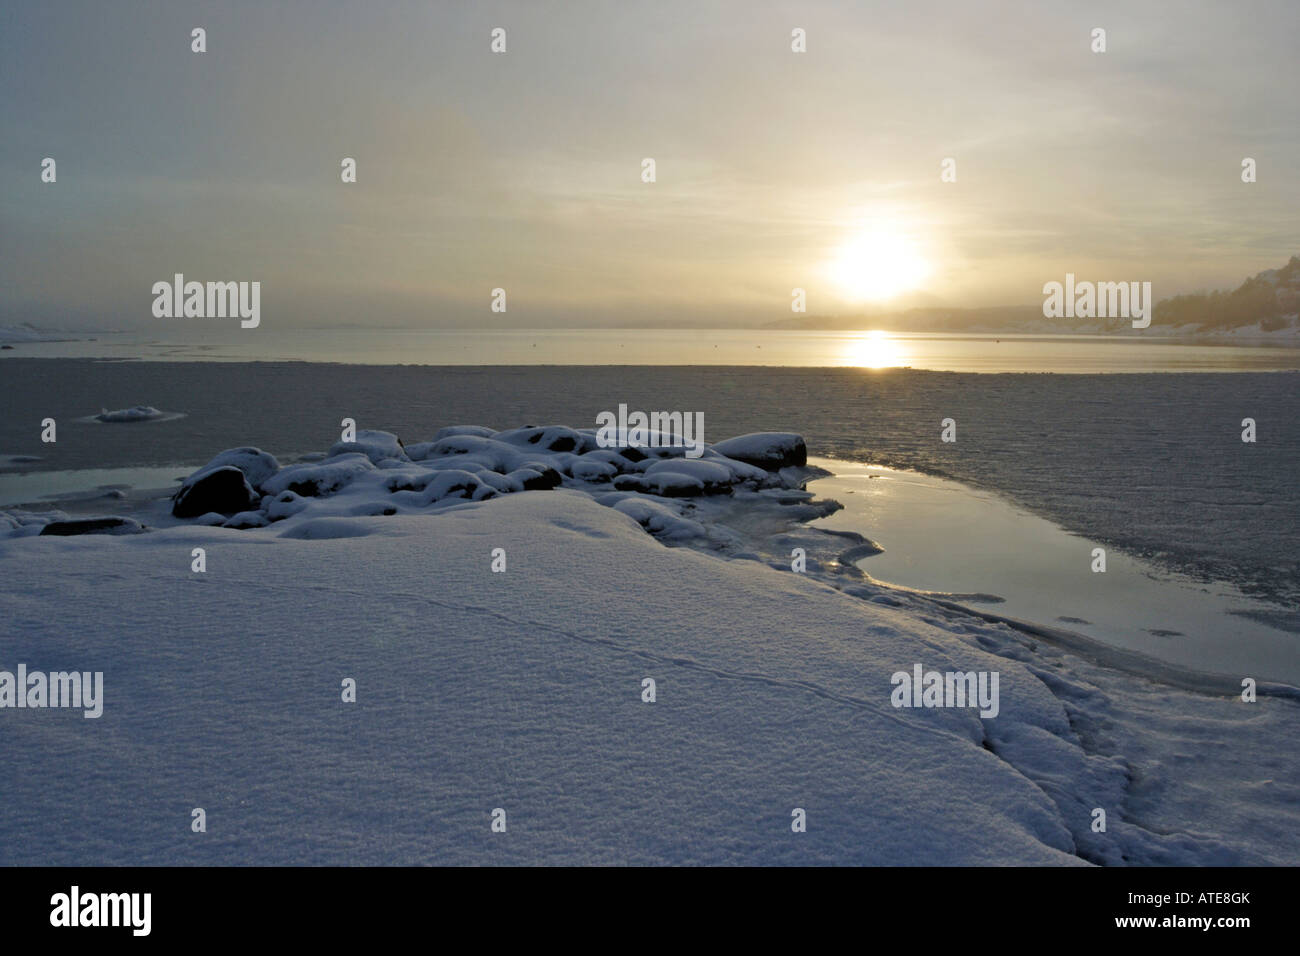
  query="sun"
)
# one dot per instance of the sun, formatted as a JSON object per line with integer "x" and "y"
{"x": 878, "y": 264}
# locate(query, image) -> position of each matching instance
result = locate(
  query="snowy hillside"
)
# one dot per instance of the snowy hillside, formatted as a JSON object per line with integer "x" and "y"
{"x": 1265, "y": 305}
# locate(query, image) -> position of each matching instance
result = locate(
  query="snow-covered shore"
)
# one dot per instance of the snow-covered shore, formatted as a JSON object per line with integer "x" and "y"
{"x": 1152, "y": 464}
{"x": 522, "y": 688}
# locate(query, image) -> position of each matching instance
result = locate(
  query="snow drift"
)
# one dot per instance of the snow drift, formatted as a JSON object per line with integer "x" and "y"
{"x": 523, "y": 687}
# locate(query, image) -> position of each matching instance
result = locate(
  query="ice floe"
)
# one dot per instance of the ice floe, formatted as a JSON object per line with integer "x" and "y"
{"x": 127, "y": 416}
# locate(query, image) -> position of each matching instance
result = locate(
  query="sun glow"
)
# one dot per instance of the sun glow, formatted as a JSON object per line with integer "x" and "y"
{"x": 875, "y": 349}
{"x": 878, "y": 264}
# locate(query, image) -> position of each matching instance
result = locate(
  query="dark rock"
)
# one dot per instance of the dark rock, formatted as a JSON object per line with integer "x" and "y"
{"x": 224, "y": 490}
{"x": 539, "y": 479}
{"x": 408, "y": 482}
{"x": 92, "y": 526}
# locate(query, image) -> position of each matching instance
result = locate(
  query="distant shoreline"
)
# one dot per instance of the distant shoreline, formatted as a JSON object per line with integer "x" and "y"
{"x": 982, "y": 352}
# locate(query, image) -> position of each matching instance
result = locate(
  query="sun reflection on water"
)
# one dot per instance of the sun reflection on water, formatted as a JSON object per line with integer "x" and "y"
{"x": 875, "y": 349}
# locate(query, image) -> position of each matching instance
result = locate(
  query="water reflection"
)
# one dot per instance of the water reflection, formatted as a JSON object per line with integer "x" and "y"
{"x": 875, "y": 349}
{"x": 867, "y": 349}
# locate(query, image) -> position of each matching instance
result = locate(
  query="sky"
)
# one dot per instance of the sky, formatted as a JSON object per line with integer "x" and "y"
{"x": 522, "y": 170}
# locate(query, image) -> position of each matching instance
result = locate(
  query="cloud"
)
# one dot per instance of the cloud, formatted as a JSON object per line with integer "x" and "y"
{"x": 522, "y": 170}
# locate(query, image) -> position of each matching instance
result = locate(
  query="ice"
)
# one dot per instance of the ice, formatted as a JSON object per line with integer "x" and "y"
{"x": 137, "y": 413}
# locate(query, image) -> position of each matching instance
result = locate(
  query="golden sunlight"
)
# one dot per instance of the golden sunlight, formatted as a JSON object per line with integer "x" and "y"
{"x": 874, "y": 349}
{"x": 878, "y": 264}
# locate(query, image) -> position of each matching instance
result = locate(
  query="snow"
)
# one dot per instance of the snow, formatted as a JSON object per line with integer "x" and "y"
{"x": 256, "y": 465}
{"x": 670, "y": 483}
{"x": 248, "y": 519}
{"x": 523, "y": 690}
{"x": 377, "y": 474}
{"x": 376, "y": 445}
{"x": 765, "y": 448}
{"x": 480, "y": 430}
{"x": 326, "y": 477}
{"x": 662, "y": 521}
{"x": 21, "y": 524}
{"x": 137, "y": 413}
{"x": 594, "y": 470}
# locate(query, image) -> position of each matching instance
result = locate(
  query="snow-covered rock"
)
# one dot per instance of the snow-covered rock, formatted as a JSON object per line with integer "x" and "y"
{"x": 595, "y": 471}
{"x": 549, "y": 438}
{"x": 284, "y": 505}
{"x": 318, "y": 479}
{"x": 540, "y": 478}
{"x": 451, "y": 430}
{"x": 376, "y": 445}
{"x": 657, "y": 518}
{"x": 378, "y": 474}
{"x": 769, "y": 450}
{"x": 247, "y": 519}
{"x": 256, "y": 464}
